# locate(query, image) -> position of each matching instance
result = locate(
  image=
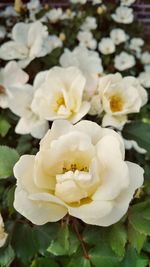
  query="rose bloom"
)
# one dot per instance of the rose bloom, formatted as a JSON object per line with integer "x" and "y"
{"x": 78, "y": 170}
{"x": 106, "y": 46}
{"x": 123, "y": 15}
{"x": 120, "y": 96}
{"x": 60, "y": 95}
{"x": 124, "y": 61}
{"x": 127, "y": 2}
{"x": 3, "y": 235}
{"x": 118, "y": 36}
{"x": 86, "y": 39}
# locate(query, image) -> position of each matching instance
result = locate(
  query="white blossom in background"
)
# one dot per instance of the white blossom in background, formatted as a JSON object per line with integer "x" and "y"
{"x": 123, "y": 15}
{"x": 53, "y": 42}
{"x": 60, "y": 96}
{"x": 145, "y": 58}
{"x": 120, "y": 96}
{"x": 118, "y": 36}
{"x": 20, "y": 104}
{"x": 136, "y": 44}
{"x": 68, "y": 14}
{"x": 89, "y": 24}
{"x": 96, "y": 105}
{"x": 124, "y": 61}
{"x": 2, "y": 32}
{"x": 88, "y": 62}
{"x": 127, "y": 2}
{"x": 8, "y": 12}
{"x": 80, "y": 170}
{"x": 28, "y": 42}
{"x": 144, "y": 78}
{"x": 106, "y": 46}
{"x": 86, "y": 39}
{"x": 147, "y": 68}
{"x": 82, "y": 2}
{"x": 11, "y": 76}
{"x": 3, "y": 234}
{"x": 34, "y": 7}
{"x": 96, "y": 2}
{"x": 54, "y": 15}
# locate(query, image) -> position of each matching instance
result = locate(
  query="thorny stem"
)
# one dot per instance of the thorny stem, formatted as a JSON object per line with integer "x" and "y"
{"x": 75, "y": 225}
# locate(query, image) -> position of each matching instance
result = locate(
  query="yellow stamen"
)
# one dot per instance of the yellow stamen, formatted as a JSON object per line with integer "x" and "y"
{"x": 116, "y": 103}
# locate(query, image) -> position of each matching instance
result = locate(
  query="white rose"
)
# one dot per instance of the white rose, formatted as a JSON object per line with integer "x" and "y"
{"x": 28, "y": 43}
{"x": 86, "y": 39}
{"x": 89, "y": 24}
{"x": 106, "y": 46}
{"x": 144, "y": 78}
{"x": 88, "y": 62}
{"x": 118, "y": 36}
{"x": 60, "y": 96}
{"x": 124, "y": 61}
{"x": 145, "y": 58}
{"x": 54, "y": 15}
{"x": 127, "y": 2}
{"x": 3, "y": 234}
{"x": 78, "y": 1}
{"x": 135, "y": 44}
{"x": 78, "y": 170}
{"x": 123, "y": 15}
{"x": 11, "y": 76}
{"x": 120, "y": 96}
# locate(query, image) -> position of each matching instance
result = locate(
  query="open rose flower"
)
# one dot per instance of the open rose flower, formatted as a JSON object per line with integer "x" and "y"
{"x": 60, "y": 95}
{"x": 3, "y": 234}
{"x": 120, "y": 96}
{"x": 78, "y": 170}
{"x": 29, "y": 40}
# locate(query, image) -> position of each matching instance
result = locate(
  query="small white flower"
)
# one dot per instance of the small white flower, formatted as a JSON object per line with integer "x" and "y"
{"x": 89, "y": 24}
{"x": 86, "y": 39}
{"x": 123, "y": 15}
{"x": 135, "y": 44}
{"x": 88, "y": 62}
{"x": 145, "y": 58}
{"x": 96, "y": 2}
{"x": 147, "y": 68}
{"x": 124, "y": 61}
{"x": 106, "y": 46}
{"x": 20, "y": 104}
{"x": 11, "y": 76}
{"x": 60, "y": 96}
{"x": 34, "y": 7}
{"x": 28, "y": 43}
{"x": 54, "y": 15}
{"x": 53, "y": 42}
{"x": 3, "y": 234}
{"x": 118, "y": 36}
{"x": 9, "y": 11}
{"x": 82, "y": 2}
{"x": 79, "y": 169}
{"x": 144, "y": 78}
{"x": 68, "y": 14}
{"x": 120, "y": 96}
{"x": 127, "y": 2}
{"x": 2, "y": 32}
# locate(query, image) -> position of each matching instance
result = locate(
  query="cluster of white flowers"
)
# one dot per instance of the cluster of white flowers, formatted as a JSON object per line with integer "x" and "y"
{"x": 80, "y": 166}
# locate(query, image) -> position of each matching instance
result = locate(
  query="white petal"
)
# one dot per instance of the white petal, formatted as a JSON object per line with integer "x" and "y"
{"x": 12, "y": 50}
{"x": 14, "y": 75}
{"x": 81, "y": 113}
{"x": 20, "y": 33}
{"x": 116, "y": 121}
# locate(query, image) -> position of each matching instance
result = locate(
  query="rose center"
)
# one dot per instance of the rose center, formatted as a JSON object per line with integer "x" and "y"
{"x": 59, "y": 102}
{"x": 116, "y": 103}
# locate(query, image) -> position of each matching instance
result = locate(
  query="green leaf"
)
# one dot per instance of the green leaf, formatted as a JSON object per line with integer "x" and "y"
{"x": 44, "y": 262}
{"x": 140, "y": 217}
{"x": 4, "y": 127}
{"x": 138, "y": 131}
{"x": 133, "y": 259}
{"x": 118, "y": 238}
{"x": 10, "y": 199}
{"x": 24, "y": 243}
{"x": 44, "y": 235}
{"x": 136, "y": 238}
{"x": 103, "y": 256}
{"x": 7, "y": 256}
{"x": 79, "y": 261}
{"x": 66, "y": 242}
{"x": 8, "y": 158}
